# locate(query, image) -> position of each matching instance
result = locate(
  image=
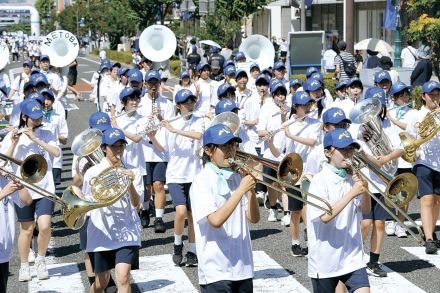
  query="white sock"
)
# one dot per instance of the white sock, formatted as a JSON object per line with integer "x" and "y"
{"x": 192, "y": 247}
{"x": 146, "y": 205}
{"x": 295, "y": 242}
{"x": 39, "y": 257}
{"x": 24, "y": 265}
{"x": 177, "y": 239}
{"x": 159, "y": 213}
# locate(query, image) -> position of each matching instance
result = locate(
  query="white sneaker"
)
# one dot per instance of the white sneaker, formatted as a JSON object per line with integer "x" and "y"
{"x": 24, "y": 274}
{"x": 400, "y": 231}
{"x": 260, "y": 198}
{"x": 31, "y": 257}
{"x": 273, "y": 215}
{"x": 42, "y": 272}
{"x": 285, "y": 220}
{"x": 390, "y": 228}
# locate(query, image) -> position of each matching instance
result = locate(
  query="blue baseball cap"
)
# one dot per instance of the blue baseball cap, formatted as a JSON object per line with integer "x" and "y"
{"x": 38, "y": 78}
{"x": 278, "y": 86}
{"x": 28, "y": 63}
{"x": 225, "y": 105}
{"x": 184, "y": 74}
{"x": 267, "y": 71}
{"x": 342, "y": 45}
{"x": 261, "y": 78}
{"x": 105, "y": 65}
{"x": 152, "y": 74}
{"x": 339, "y": 138}
{"x": 32, "y": 109}
{"x": 44, "y": 57}
{"x": 310, "y": 71}
{"x": 429, "y": 86}
{"x": 100, "y": 121}
{"x": 381, "y": 76}
{"x": 112, "y": 135}
{"x": 295, "y": 81}
{"x": 183, "y": 95}
{"x": 36, "y": 96}
{"x": 376, "y": 93}
{"x": 200, "y": 66}
{"x": 47, "y": 92}
{"x": 227, "y": 63}
{"x": 341, "y": 84}
{"x": 122, "y": 71}
{"x": 334, "y": 116}
{"x": 229, "y": 70}
{"x": 399, "y": 87}
{"x": 241, "y": 73}
{"x": 240, "y": 56}
{"x": 355, "y": 80}
{"x": 318, "y": 76}
{"x": 224, "y": 88}
{"x": 135, "y": 75}
{"x": 129, "y": 91}
{"x": 254, "y": 66}
{"x": 300, "y": 98}
{"x": 219, "y": 134}
{"x": 279, "y": 65}
{"x": 312, "y": 84}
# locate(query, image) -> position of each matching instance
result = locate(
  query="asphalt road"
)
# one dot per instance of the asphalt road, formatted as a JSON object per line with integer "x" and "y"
{"x": 276, "y": 270}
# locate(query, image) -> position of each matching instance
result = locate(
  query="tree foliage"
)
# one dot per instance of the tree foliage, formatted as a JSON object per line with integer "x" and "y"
{"x": 48, "y": 14}
{"x": 149, "y": 12}
{"x": 425, "y": 26}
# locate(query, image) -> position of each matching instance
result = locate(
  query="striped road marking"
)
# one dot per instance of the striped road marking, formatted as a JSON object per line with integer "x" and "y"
{"x": 64, "y": 277}
{"x": 158, "y": 273}
{"x": 269, "y": 276}
{"x": 418, "y": 222}
{"x": 86, "y": 81}
{"x": 394, "y": 283}
{"x": 420, "y": 253}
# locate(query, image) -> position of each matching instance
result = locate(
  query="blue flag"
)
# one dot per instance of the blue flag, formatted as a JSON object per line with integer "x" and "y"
{"x": 308, "y": 3}
{"x": 390, "y": 16}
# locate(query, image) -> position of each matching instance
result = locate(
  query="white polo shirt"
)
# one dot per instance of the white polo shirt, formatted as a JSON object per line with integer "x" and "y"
{"x": 114, "y": 226}
{"x": 429, "y": 151}
{"x": 183, "y": 164}
{"x": 207, "y": 95}
{"x": 335, "y": 248}
{"x": 251, "y": 111}
{"x": 224, "y": 253}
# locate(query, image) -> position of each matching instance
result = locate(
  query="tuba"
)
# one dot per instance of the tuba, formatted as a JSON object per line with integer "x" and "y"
{"x": 157, "y": 43}
{"x": 61, "y": 46}
{"x": 229, "y": 119}
{"x": 258, "y": 49}
{"x": 367, "y": 114}
{"x": 4, "y": 54}
{"x": 87, "y": 145}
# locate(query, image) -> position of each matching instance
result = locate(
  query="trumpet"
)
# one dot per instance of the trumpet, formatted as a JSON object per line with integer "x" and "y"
{"x": 289, "y": 171}
{"x": 399, "y": 191}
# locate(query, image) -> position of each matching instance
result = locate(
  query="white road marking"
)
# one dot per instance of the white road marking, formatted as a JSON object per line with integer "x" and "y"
{"x": 269, "y": 276}
{"x": 71, "y": 107}
{"x": 91, "y": 71}
{"x": 418, "y": 222}
{"x": 91, "y": 60}
{"x": 64, "y": 277}
{"x": 86, "y": 81}
{"x": 159, "y": 274}
{"x": 420, "y": 253}
{"x": 394, "y": 283}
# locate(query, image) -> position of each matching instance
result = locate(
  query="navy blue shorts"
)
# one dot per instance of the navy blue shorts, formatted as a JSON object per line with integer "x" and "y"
{"x": 242, "y": 286}
{"x": 377, "y": 212}
{"x": 40, "y": 207}
{"x": 270, "y": 172}
{"x": 156, "y": 171}
{"x": 294, "y": 204}
{"x": 353, "y": 281}
{"x": 83, "y": 235}
{"x": 103, "y": 261}
{"x": 180, "y": 194}
{"x": 429, "y": 180}
{"x": 56, "y": 174}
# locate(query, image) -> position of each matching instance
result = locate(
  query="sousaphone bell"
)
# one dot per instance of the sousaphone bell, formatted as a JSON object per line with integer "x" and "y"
{"x": 61, "y": 46}
{"x": 157, "y": 43}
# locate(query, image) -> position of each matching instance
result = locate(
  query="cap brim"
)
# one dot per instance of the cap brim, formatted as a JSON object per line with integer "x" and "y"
{"x": 36, "y": 116}
{"x": 102, "y": 128}
{"x": 223, "y": 140}
{"x": 344, "y": 145}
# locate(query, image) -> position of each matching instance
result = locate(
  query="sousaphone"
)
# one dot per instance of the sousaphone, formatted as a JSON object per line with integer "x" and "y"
{"x": 258, "y": 49}
{"x": 4, "y": 54}
{"x": 61, "y": 46}
{"x": 157, "y": 43}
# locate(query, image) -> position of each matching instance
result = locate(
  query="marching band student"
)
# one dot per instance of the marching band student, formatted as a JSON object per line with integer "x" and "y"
{"x": 107, "y": 247}
{"x": 242, "y": 93}
{"x": 426, "y": 168}
{"x": 335, "y": 241}
{"x": 382, "y": 79}
{"x": 131, "y": 123}
{"x": 109, "y": 90}
{"x": 294, "y": 85}
{"x": 206, "y": 94}
{"x": 255, "y": 72}
{"x": 301, "y": 137}
{"x": 279, "y": 71}
{"x": 17, "y": 87}
{"x": 229, "y": 73}
{"x": 8, "y": 197}
{"x": 270, "y": 120}
{"x": 341, "y": 90}
{"x": 185, "y": 82}
{"x": 354, "y": 94}
{"x": 315, "y": 88}
{"x": 155, "y": 108}
{"x": 182, "y": 142}
{"x": 221, "y": 211}
{"x": 310, "y": 71}
{"x": 33, "y": 140}
{"x": 399, "y": 116}
{"x": 135, "y": 79}
{"x": 123, "y": 83}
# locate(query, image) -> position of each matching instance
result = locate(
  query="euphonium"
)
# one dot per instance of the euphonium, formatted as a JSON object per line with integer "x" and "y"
{"x": 428, "y": 128}
{"x": 87, "y": 145}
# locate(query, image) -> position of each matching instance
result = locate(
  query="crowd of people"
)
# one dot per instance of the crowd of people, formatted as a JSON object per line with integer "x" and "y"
{"x": 176, "y": 143}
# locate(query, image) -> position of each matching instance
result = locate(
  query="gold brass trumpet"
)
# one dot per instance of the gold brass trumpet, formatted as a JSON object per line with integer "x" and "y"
{"x": 399, "y": 191}
{"x": 289, "y": 171}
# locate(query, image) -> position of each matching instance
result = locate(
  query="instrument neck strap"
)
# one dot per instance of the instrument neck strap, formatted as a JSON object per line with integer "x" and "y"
{"x": 341, "y": 172}
{"x": 223, "y": 175}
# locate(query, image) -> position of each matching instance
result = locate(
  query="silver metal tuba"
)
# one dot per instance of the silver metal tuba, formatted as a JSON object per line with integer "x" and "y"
{"x": 87, "y": 145}
{"x": 367, "y": 114}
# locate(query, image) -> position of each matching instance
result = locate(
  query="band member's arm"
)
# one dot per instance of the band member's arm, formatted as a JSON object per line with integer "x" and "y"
{"x": 395, "y": 154}
{"x": 273, "y": 149}
{"x": 51, "y": 149}
{"x": 153, "y": 140}
{"x": 189, "y": 134}
{"x": 302, "y": 140}
{"x": 401, "y": 124}
{"x": 253, "y": 209}
{"x": 134, "y": 196}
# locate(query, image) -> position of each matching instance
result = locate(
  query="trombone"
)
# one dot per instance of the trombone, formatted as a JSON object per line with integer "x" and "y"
{"x": 399, "y": 191}
{"x": 289, "y": 171}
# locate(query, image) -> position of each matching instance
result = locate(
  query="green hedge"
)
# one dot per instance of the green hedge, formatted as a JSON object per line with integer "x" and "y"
{"x": 175, "y": 68}
{"x": 124, "y": 57}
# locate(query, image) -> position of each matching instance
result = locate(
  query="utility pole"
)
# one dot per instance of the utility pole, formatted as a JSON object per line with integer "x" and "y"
{"x": 303, "y": 15}
{"x": 349, "y": 24}
{"x": 397, "y": 40}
